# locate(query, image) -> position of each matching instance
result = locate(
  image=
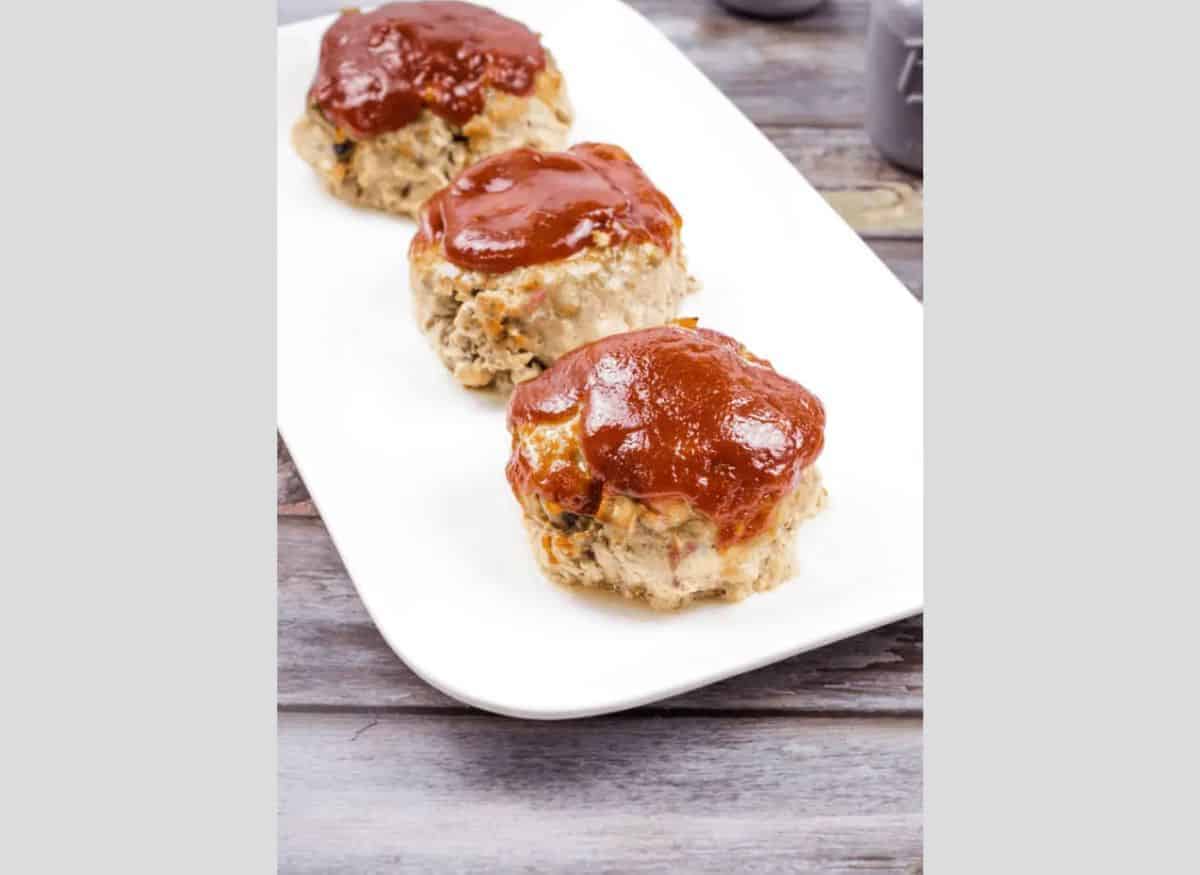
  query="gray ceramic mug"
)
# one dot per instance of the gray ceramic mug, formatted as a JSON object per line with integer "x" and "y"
{"x": 772, "y": 8}
{"x": 896, "y": 81}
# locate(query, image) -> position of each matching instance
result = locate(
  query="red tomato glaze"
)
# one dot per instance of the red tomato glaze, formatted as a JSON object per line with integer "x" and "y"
{"x": 670, "y": 412}
{"x": 526, "y": 207}
{"x": 379, "y": 69}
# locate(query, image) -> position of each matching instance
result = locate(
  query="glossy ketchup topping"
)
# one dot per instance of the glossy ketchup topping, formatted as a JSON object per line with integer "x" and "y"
{"x": 527, "y": 207}
{"x": 379, "y": 69}
{"x": 668, "y": 412}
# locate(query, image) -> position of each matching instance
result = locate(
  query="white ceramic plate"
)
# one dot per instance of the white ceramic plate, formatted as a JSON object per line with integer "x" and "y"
{"x": 408, "y": 469}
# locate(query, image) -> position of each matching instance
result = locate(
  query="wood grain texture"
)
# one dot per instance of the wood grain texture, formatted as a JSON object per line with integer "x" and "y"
{"x": 877, "y": 199}
{"x": 906, "y": 258}
{"x": 331, "y": 656}
{"x": 291, "y": 495}
{"x": 835, "y": 158}
{"x": 802, "y": 83}
{"x": 807, "y": 71}
{"x": 461, "y": 793}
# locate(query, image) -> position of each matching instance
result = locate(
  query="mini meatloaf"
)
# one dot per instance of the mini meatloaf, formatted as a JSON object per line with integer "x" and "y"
{"x": 667, "y": 464}
{"x": 407, "y": 95}
{"x": 528, "y": 255}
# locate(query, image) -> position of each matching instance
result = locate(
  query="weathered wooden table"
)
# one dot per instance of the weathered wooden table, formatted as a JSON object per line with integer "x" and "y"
{"x": 812, "y": 764}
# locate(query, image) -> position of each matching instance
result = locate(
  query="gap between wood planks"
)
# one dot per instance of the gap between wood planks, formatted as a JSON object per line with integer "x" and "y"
{"x": 644, "y": 712}
{"x": 362, "y": 793}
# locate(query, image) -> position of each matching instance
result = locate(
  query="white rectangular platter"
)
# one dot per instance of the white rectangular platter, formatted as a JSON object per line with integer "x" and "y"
{"x": 407, "y": 468}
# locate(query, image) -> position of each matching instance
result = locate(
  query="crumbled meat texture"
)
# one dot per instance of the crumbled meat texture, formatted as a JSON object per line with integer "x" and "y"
{"x": 399, "y": 170}
{"x": 666, "y": 553}
{"x": 496, "y": 330}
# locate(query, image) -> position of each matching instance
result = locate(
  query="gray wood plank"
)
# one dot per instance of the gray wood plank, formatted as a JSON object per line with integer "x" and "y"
{"x": 331, "y": 656}
{"x": 806, "y": 71}
{"x": 906, "y": 258}
{"x": 878, "y": 200}
{"x": 290, "y": 491}
{"x": 435, "y": 793}
{"x": 836, "y": 158}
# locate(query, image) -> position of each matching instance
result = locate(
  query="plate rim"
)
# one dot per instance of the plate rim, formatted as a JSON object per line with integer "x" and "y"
{"x": 498, "y": 705}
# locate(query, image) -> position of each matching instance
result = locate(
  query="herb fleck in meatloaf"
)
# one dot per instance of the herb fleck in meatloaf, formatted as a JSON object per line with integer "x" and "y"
{"x": 528, "y": 255}
{"x": 409, "y": 94}
{"x": 668, "y": 465}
